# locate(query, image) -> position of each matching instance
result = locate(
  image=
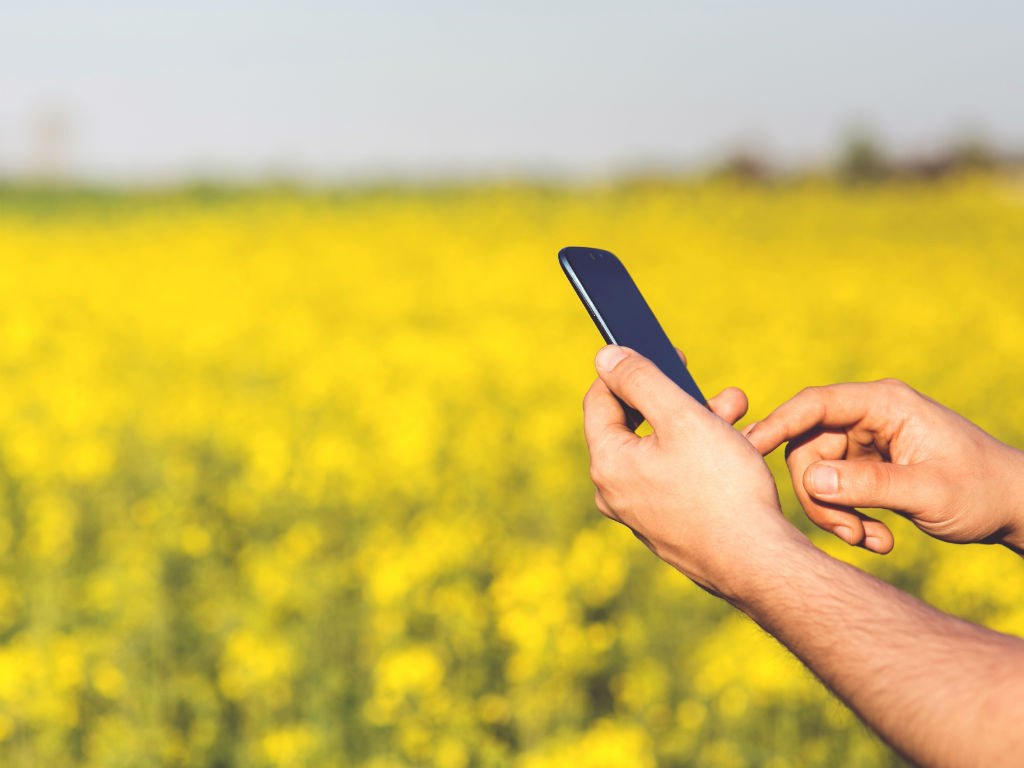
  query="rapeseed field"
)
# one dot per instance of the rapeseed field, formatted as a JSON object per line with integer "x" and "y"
{"x": 298, "y": 479}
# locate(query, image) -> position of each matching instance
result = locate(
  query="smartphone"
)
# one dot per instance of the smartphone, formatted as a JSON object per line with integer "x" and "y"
{"x": 622, "y": 316}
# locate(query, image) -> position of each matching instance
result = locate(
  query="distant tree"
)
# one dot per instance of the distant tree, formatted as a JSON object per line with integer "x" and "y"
{"x": 968, "y": 155}
{"x": 745, "y": 165}
{"x": 862, "y": 159}
{"x": 973, "y": 154}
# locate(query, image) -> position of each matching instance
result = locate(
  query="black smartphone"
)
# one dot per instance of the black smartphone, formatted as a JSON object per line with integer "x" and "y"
{"x": 622, "y": 316}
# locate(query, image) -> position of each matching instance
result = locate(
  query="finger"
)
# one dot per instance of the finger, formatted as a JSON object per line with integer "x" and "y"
{"x": 877, "y": 536}
{"x": 800, "y": 454}
{"x": 642, "y": 385}
{"x": 842, "y": 520}
{"x": 831, "y": 407}
{"x": 874, "y": 484}
{"x": 729, "y": 404}
{"x": 682, "y": 355}
{"x": 604, "y": 420}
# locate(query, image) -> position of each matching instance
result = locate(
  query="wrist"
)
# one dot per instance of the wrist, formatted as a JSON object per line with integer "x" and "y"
{"x": 777, "y": 580}
{"x": 745, "y": 565}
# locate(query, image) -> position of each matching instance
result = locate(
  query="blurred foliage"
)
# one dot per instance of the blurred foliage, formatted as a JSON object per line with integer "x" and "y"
{"x": 863, "y": 159}
{"x": 298, "y": 479}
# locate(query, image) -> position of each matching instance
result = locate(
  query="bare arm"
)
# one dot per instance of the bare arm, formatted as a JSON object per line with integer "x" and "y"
{"x": 940, "y": 690}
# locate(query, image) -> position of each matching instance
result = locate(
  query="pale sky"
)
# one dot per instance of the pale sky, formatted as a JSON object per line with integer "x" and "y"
{"x": 338, "y": 90}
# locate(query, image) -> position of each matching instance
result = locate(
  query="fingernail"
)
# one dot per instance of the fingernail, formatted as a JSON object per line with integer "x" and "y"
{"x": 748, "y": 429}
{"x": 843, "y": 533}
{"x": 824, "y": 480}
{"x": 873, "y": 543}
{"x": 608, "y": 357}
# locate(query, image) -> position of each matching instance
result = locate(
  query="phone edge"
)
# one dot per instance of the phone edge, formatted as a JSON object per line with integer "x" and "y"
{"x": 603, "y": 328}
{"x": 584, "y": 297}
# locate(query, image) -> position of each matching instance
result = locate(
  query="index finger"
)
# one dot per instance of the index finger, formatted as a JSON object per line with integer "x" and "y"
{"x": 833, "y": 407}
{"x": 603, "y": 418}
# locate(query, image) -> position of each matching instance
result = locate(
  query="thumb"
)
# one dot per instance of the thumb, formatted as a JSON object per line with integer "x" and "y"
{"x": 641, "y": 385}
{"x": 871, "y": 484}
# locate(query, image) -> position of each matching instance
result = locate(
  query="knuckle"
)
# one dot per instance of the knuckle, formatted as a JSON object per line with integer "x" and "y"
{"x": 636, "y": 377}
{"x": 812, "y": 397}
{"x": 602, "y": 472}
{"x": 881, "y": 482}
{"x": 895, "y": 387}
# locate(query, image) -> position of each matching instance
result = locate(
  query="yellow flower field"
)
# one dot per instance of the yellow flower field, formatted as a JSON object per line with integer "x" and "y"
{"x": 298, "y": 479}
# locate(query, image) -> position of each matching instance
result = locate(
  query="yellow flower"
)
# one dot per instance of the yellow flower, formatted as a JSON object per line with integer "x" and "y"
{"x": 288, "y": 478}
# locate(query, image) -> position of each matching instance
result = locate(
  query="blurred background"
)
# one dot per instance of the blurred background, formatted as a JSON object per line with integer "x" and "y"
{"x": 291, "y": 462}
{"x": 333, "y": 92}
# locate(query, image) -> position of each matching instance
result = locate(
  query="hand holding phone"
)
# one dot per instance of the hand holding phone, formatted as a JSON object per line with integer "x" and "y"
{"x": 621, "y": 314}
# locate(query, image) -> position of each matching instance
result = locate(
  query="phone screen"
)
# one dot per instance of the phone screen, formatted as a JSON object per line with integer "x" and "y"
{"x": 620, "y": 312}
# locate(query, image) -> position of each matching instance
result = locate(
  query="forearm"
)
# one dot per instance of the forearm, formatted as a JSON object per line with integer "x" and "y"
{"x": 940, "y": 690}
